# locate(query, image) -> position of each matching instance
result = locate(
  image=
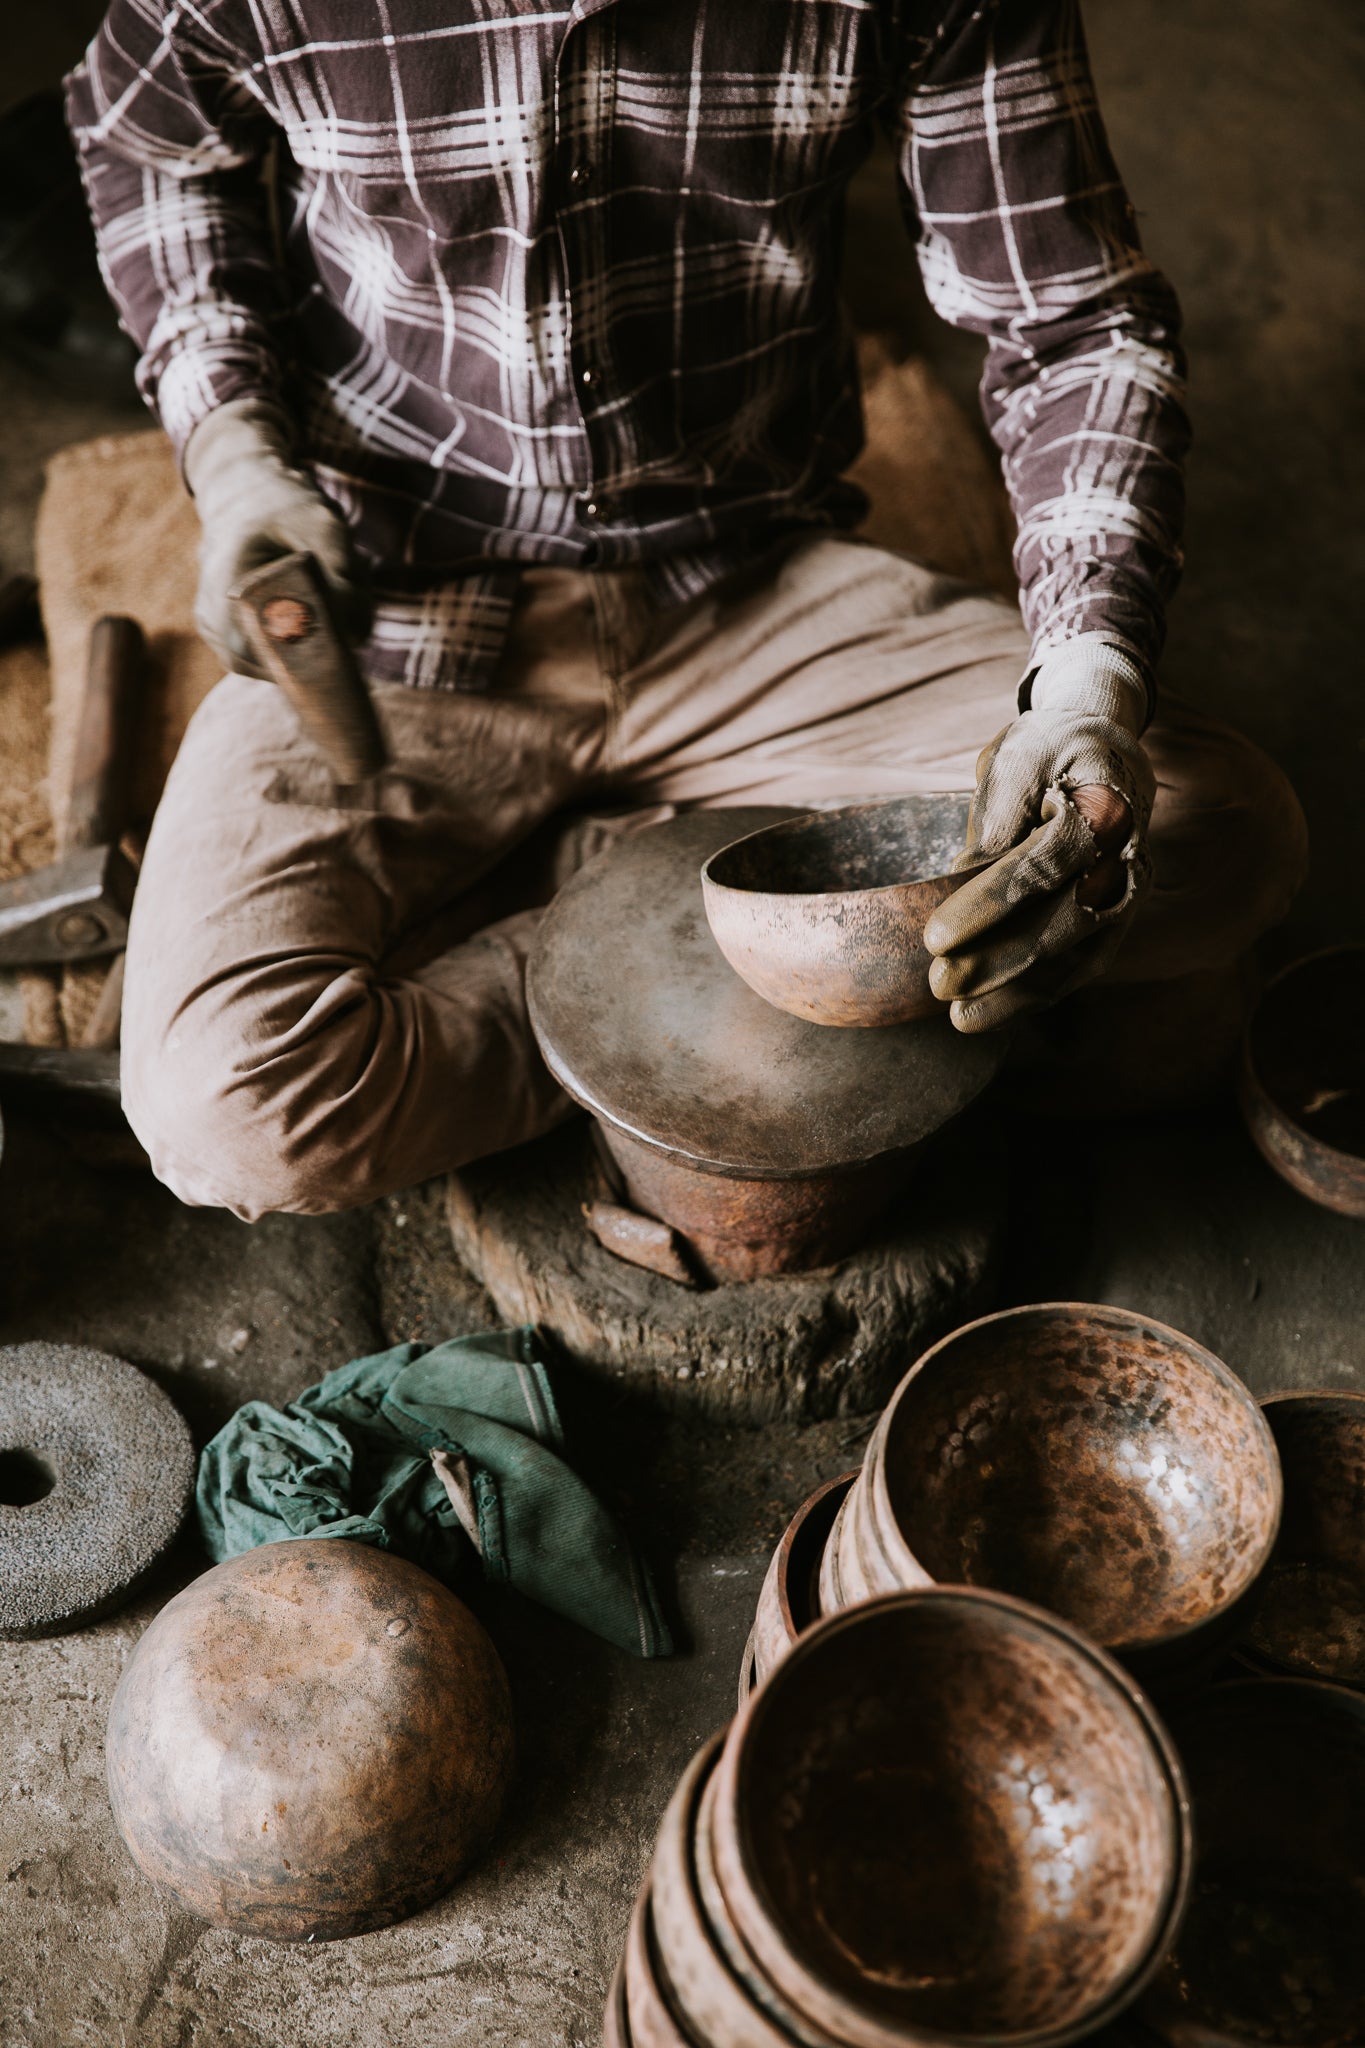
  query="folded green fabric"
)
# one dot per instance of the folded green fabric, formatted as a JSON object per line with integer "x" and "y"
{"x": 353, "y": 1457}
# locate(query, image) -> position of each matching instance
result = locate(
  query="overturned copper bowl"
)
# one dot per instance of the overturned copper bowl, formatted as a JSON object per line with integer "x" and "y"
{"x": 1272, "y": 1950}
{"x": 312, "y": 1740}
{"x": 789, "y": 1598}
{"x": 1079, "y": 1456}
{"x": 1303, "y": 1077}
{"x": 947, "y": 1816}
{"x": 1309, "y": 1618}
{"x": 824, "y": 916}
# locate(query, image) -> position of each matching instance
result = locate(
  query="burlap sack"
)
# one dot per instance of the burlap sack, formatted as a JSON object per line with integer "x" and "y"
{"x": 26, "y": 837}
{"x": 117, "y": 533}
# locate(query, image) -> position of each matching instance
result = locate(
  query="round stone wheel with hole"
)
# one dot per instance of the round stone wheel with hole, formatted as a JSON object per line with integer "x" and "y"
{"x": 96, "y": 1469}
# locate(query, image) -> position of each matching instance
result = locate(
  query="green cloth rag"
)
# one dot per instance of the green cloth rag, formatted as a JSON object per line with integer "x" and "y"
{"x": 351, "y": 1457}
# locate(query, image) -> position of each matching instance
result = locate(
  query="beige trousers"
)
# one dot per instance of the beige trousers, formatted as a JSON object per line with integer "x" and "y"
{"x": 324, "y": 997}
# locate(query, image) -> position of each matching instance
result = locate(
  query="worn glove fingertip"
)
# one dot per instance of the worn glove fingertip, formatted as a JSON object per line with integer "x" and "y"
{"x": 973, "y": 1016}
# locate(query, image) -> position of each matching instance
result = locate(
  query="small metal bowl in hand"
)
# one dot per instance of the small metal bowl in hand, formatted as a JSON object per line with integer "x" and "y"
{"x": 1272, "y": 1950}
{"x": 948, "y": 1818}
{"x": 1303, "y": 1077}
{"x": 1310, "y": 1615}
{"x": 824, "y": 916}
{"x": 1080, "y": 1456}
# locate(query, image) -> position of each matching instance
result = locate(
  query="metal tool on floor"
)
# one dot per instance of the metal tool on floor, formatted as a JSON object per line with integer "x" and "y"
{"x": 285, "y": 611}
{"x": 76, "y": 908}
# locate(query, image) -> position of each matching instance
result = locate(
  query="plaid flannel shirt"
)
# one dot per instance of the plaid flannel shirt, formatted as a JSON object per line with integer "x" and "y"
{"x": 558, "y": 283}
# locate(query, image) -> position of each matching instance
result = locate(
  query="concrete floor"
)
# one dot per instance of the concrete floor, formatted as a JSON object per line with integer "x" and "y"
{"x": 1242, "y": 155}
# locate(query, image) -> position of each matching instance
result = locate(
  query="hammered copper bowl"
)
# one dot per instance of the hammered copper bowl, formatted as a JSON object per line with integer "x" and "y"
{"x": 947, "y": 1817}
{"x": 312, "y": 1740}
{"x": 1272, "y": 1950}
{"x": 824, "y": 916}
{"x": 1310, "y": 1616}
{"x": 1082, "y": 1457}
{"x": 1303, "y": 1077}
{"x": 789, "y": 1598}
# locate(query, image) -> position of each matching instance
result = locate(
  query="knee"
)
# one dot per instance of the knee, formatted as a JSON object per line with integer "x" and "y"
{"x": 1229, "y": 847}
{"x": 229, "y": 1126}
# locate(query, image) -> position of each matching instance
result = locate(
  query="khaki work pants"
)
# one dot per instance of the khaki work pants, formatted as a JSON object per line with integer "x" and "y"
{"x": 324, "y": 998}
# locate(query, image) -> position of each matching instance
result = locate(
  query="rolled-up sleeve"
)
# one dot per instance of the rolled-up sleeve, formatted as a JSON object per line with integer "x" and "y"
{"x": 172, "y": 145}
{"x": 1026, "y": 235}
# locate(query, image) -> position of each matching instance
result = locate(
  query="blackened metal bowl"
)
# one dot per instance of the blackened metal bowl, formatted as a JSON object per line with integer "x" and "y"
{"x": 1272, "y": 1951}
{"x": 1302, "y": 1085}
{"x": 1309, "y": 1618}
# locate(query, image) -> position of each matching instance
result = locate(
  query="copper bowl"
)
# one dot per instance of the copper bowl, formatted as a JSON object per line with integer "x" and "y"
{"x": 824, "y": 916}
{"x": 789, "y": 1598}
{"x": 1303, "y": 1077}
{"x": 312, "y": 1740}
{"x": 1272, "y": 1950}
{"x": 1310, "y": 1617}
{"x": 947, "y": 1817}
{"x": 1079, "y": 1456}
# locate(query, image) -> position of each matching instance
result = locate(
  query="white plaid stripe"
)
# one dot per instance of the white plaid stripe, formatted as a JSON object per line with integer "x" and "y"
{"x": 537, "y": 257}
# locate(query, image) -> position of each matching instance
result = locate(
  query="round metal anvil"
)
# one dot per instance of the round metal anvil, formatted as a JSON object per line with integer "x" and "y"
{"x": 770, "y": 1143}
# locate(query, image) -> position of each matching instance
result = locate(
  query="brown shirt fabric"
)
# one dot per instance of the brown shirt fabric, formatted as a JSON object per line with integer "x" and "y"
{"x": 558, "y": 284}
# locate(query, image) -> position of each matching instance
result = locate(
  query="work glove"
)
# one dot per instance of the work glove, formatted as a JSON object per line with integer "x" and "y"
{"x": 254, "y": 505}
{"x": 1062, "y": 804}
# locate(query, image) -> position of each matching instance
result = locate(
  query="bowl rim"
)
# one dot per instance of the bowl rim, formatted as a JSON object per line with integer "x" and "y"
{"x": 1222, "y": 1373}
{"x": 1167, "y": 1912}
{"x": 791, "y": 826}
{"x": 1252, "y": 1077}
{"x": 1286, "y": 1394}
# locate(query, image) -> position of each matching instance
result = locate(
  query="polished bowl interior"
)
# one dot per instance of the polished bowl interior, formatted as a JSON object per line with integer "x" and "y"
{"x": 957, "y": 1818}
{"x": 1272, "y": 1951}
{"x": 1310, "y": 1616}
{"x": 1090, "y": 1460}
{"x": 1303, "y": 1077}
{"x": 824, "y": 916}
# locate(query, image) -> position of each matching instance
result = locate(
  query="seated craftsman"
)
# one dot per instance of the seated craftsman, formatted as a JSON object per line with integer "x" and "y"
{"x": 525, "y": 322}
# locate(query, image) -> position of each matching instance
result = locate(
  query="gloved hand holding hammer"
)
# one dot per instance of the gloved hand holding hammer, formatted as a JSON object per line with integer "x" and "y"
{"x": 255, "y": 504}
{"x": 1063, "y": 799}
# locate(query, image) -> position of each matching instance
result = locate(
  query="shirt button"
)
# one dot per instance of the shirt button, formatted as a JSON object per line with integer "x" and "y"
{"x": 587, "y": 376}
{"x": 580, "y": 174}
{"x": 593, "y": 508}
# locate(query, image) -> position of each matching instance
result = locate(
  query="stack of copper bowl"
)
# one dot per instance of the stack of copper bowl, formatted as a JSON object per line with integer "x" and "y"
{"x": 1116, "y": 1474}
{"x": 1046, "y": 1812}
{"x": 1082, "y": 1457}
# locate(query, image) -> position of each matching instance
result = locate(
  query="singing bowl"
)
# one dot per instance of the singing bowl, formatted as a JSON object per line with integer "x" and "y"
{"x": 1302, "y": 1088}
{"x": 1309, "y": 1618}
{"x": 699, "y": 1960}
{"x": 789, "y": 1598}
{"x": 1082, "y": 1457}
{"x": 824, "y": 916}
{"x": 1272, "y": 1951}
{"x": 948, "y": 1818}
{"x": 312, "y": 1740}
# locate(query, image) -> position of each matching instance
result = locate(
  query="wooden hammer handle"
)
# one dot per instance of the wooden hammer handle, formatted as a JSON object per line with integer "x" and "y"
{"x": 286, "y": 614}
{"x": 97, "y": 811}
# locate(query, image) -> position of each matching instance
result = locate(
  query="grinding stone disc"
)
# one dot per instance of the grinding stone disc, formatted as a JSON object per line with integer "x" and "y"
{"x": 117, "y": 1459}
{"x": 643, "y": 1021}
